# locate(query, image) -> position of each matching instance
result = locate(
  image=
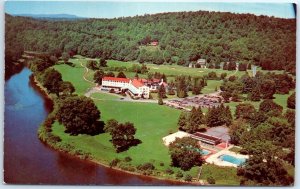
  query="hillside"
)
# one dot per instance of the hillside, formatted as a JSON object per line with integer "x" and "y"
{"x": 183, "y": 38}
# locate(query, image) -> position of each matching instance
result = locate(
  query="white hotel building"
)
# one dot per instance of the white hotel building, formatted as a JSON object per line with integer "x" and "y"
{"x": 135, "y": 87}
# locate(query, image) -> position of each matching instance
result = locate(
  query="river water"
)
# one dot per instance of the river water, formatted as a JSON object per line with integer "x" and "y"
{"x": 28, "y": 161}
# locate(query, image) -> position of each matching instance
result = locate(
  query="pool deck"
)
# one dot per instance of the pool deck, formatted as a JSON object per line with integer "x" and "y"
{"x": 214, "y": 158}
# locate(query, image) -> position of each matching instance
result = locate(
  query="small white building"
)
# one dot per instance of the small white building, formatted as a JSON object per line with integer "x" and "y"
{"x": 201, "y": 63}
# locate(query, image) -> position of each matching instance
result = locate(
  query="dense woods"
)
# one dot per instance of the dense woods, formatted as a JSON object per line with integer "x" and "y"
{"x": 182, "y": 38}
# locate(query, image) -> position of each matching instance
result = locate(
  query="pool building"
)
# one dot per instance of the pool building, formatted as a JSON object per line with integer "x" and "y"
{"x": 209, "y": 139}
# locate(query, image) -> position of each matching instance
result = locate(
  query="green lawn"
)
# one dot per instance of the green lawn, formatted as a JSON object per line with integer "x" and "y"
{"x": 211, "y": 86}
{"x": 74, "y": 75}
{"x": 152, "y": 121}
{"x": 174, "y": 70}
{"x": 222, "y": 175}
{"x": 278, "y": 98}
{"x": 104, "y": 96}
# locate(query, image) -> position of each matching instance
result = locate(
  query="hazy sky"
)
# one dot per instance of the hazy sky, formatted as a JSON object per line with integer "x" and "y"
{"x": 119, "y": 9}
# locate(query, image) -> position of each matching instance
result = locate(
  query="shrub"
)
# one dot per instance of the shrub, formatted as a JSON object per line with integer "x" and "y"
{"x": 188, "y": 177}
{"x": 211, "y": 180}
{"x": 169, "y": 171}
{"x": 179, "y": 174}
{"x": 127, "y": 159}
{"x": 129, "y": 167}
{"x": 114, "y": 162}
{"x": 146, "y": 166}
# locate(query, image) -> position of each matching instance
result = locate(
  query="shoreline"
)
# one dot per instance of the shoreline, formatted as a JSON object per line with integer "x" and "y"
{"x": 36, "y": 84}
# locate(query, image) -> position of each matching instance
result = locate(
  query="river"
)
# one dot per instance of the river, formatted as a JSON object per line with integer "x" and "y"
{"x": 28, "y": 161}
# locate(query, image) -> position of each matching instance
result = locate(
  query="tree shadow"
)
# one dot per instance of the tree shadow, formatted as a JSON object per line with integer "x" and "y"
{"x": 98, "y": 128}
{"x": 70, "y": 64}
{"x": 133, "y": 142}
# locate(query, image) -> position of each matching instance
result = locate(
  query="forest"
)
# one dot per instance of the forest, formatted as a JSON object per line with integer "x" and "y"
{"x": 182, "y": 38}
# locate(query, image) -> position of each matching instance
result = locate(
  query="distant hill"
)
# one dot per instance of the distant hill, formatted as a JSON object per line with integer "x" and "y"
{"x": 51, "y": 16}
{"x": 183, "y": 38}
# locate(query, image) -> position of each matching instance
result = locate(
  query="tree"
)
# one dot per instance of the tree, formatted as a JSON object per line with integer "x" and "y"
{"x": 212, "y": 76}
{"x": 254, "y": 95}
{"x": 121, "y": 75}
{"x": 249, "y": 67}
{"x": 236, "y": 131}
{"x": 171, "y": 86}
{"x": 102, "y": 62}
{"x": 245, "y": 111}
{"x": 258, "y": 118}
{"x": 79, "y": 115}
{"x": 110, "y": 125}
{"x": 225, "y": 66}
{"x": 197, "y": 86}
{"x": 39, "y": 65}
{"x": 223, "y": 75}
{"x": 181, "y": 86}
{"x": 98, "y": 75}
{"x": 182, "y": 121}
{"x": 66, "y": 87}
{"x": 217, "y": 116}
{"x": 123, "y": 136}
{"x": 184, "y": 153}
{"x": 242, "y": 67}
{"x": 267, "y": 89}
{"x": 92, "y": 64}
{"x": 53, "y": 59}
{"x": 65, "y": 57}
{"x": 266, "y": 169}
{"x": 282, "y": 132}
{"x": 196, "y": 119}
{"x": 290, "y": 116}
{"x": 226, "y": 96}
{"x": 162, "y": 92}
{"x": 231, "y": 66}
{"x": 109, "y": 74}
{"x": 160, "y": 101}
{"x": 235, "y": 97}
{"x": 269, "y": 106}
{"x": 51, "y": 80}
{"x": 291, "y": 101}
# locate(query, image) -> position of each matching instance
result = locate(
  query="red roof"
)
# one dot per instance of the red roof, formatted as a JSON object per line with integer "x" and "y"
{"x": 143, "y": 80}
{"x": 154, "y": 43}
{"x": 164, "y": 84}
{"x": 137, "y": 83}
{"x": 116, "y": 79}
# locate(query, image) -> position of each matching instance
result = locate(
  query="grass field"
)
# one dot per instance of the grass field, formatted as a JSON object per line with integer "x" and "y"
{"x": 152, "y": 121}
{"x": 278, "y": 98}
{"x": 74, "y": 75}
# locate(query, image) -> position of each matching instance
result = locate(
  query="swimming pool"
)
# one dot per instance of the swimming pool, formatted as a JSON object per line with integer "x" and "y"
{"x": 232, "y": 159}
{"x": 203, "y": 152}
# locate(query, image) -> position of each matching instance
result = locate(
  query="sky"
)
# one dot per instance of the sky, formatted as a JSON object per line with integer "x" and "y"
{"x": 92, "y": 9}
